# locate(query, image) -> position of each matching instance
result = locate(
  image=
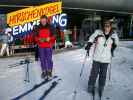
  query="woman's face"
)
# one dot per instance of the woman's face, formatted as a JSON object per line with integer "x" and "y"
{"x": 107, "y": 28}
{"x": 43, "y": 21}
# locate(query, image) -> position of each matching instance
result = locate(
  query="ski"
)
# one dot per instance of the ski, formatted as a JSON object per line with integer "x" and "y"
{"x": 45, "y": 81}
{"x": 53, "y": 85}
{"x": 34, "y": 88}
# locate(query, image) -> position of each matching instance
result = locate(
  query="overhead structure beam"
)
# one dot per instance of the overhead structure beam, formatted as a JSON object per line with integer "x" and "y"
{"x": 97, "y": 10}
{"x": 15, "y": 6}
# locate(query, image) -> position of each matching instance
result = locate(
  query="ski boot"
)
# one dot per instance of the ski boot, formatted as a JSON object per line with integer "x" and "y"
{"x": 44, "y": 75}
{"x": 93, "y": 93}
{"x": 49, "y": 73}
{"x": 91, "y": 89}
{"x": 100, "y": 92}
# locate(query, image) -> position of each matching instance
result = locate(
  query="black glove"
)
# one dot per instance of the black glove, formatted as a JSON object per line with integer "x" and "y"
{"x": 113, "y": 47}
{"x": 87, "y": 48}
{"x": 88, "y": 52}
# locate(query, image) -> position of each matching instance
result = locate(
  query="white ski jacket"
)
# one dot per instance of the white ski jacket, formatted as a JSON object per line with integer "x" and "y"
{"x": 102, "y": 49}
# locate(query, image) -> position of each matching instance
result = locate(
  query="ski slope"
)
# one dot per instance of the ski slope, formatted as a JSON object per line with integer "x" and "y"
{"x": 67, "y": 66}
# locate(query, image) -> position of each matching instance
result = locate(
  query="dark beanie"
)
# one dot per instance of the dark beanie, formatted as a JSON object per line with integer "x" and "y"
{"x": 43, "y": 16}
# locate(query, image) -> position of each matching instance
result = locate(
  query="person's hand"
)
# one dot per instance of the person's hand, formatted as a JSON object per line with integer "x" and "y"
{"x": 87, "y": 47}
{"x": 42, "y": 40}
{"x": 88, "y": 53}
{"x": 48, "y": 39}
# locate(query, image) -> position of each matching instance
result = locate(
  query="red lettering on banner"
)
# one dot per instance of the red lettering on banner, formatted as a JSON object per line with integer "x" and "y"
{"x": 23, "y": 16}
{"x": 29, "y": 15}
{"x": 18, "y": 17}
{"x": 35, "y": 13}
{"x": 12, "y": 19}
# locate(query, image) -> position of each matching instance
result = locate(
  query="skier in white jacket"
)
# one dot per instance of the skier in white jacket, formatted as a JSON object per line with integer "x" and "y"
{"x": 106, "y": 40}
{"x": 5, "y": 39}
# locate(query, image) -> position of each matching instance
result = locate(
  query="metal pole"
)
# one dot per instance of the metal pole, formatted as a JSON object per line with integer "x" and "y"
{"x": 27, "y": 73}
{"x": 83, "y": 65}
{"x": 110, "y": 68}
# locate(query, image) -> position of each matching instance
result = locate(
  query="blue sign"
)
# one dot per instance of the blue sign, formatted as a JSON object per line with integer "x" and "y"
{"x": 57, "y": 20}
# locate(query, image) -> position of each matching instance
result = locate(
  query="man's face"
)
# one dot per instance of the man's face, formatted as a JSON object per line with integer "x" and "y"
{"x": 43, "y": 21}
{"x": 107, "y": 28}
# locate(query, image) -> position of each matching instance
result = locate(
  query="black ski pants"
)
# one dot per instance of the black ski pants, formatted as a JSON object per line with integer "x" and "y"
{"x": 98, "y": 69}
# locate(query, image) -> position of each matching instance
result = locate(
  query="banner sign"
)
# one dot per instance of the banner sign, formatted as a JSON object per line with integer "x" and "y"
{"x": 26, "y": 15}
{"x": 23, "y": 21}
{"x": 60, "y": 20}
{"x": 57, "y": 20}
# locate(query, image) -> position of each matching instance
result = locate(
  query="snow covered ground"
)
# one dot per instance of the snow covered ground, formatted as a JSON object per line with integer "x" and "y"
{"x": 67, "y": 66}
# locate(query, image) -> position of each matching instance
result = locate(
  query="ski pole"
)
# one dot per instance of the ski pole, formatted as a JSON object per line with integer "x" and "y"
{"x": 82, "y": 68}
{"x": 110, "y": 70}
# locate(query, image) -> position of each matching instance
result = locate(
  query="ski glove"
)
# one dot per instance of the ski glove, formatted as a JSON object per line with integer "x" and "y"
{"x": 87, "y": 48}
{"x": 89, "y": 44}
{"x": 113, "y": 47}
